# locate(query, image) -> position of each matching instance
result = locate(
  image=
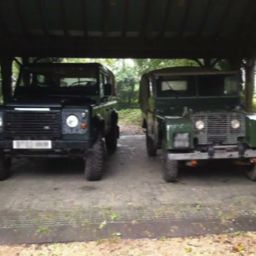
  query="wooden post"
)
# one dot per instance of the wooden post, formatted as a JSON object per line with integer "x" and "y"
{"x": 6, "y": 70}
{"x": 249, "y": 84}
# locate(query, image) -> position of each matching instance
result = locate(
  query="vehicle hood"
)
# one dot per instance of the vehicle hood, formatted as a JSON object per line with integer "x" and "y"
{"x": 50, "y": 102}
{"x": 179, "y": 108}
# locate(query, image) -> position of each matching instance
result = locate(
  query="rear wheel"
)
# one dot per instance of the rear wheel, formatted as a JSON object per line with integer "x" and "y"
{"x": 151, "y": 148}
{"x": 5, "y": 167}
{"x": 170, "y": 168}
{"x": 250, "y": 172}
{"x": 95, "y": 161}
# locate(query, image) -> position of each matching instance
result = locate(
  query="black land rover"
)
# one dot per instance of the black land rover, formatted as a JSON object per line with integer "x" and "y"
{"x": 59, "y": 111}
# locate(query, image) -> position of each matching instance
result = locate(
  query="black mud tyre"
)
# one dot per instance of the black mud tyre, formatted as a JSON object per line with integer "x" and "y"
{"x": 5, "y": 167}
{"x": 170, "y": 168}
{"x": 94, "y": 162}
{"x": 111, "y": 139}
{"x": 250, "y": 172}
{"x": 151, "y": 148}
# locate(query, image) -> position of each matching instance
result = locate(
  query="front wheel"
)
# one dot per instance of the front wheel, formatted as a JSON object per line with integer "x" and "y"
{"x": 5, "y": 167}
{"x": 111, "y": 138}
{"x": 95, "y": 161}
{"x": 250, "y": 172}
{"x": 170, "y": 168}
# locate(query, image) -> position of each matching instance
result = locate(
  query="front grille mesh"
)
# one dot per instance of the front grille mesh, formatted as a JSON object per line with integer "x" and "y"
{"x": 218, "y": 128}
{"x": 32, "y": 125}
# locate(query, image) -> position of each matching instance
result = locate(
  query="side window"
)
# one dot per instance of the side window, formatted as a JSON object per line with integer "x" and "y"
{"x": 151, "y": 93}
{"x": 102, "y": 82}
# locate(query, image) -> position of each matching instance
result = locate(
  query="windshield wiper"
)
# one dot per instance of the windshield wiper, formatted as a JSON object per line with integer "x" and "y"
{"x": 175, "y": 92}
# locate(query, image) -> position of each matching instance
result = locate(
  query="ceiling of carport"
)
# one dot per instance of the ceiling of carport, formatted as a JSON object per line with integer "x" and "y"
{"x": 128, "y": 28}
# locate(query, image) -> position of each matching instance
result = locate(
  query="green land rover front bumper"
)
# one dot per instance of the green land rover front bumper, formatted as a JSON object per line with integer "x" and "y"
{"x": 249, "y": 153}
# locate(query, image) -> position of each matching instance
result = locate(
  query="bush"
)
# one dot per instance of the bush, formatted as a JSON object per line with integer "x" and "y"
{"x": 130, "y": 116}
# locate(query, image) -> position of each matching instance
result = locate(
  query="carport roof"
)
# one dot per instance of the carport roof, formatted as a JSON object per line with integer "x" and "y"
{"x": 128, "y": 28}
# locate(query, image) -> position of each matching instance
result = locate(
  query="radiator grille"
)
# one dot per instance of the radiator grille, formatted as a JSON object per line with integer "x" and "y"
{"x": 32, "y": 125}
{"x": 218, "y": 128}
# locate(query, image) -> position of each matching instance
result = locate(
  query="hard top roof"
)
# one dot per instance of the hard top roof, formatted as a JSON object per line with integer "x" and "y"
{"x": 186, "y": 71}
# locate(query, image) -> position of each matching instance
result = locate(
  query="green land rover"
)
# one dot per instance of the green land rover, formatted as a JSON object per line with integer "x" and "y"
{"x": 59, "y": 111}
{"x": 195, "y": 115}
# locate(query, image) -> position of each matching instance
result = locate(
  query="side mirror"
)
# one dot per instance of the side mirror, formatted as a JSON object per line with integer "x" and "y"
{"x": 107, "y": 89}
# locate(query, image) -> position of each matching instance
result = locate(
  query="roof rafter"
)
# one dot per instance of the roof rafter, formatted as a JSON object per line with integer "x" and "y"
{"x": 42, "y": 15}
{"x": 63, "y": 17}
{"x": 166, "y": 17}
{"x": 21, "y": 17}
{"x": 226, "y": 13}
{"x": 105, "y": 15}
{"x": 125, "y": 19}
{"x": 241, "y": 23}
{"x": 84, "y": 14}
{"x": 145, "y": 21}
{"x": 4, "y": 31}
{"x": 185, "y": 19}
{"x": 205, "y": 17}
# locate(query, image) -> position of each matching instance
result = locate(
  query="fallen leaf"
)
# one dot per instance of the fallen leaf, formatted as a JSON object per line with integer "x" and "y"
{"x": 117, "y": 234}
{"x": 238, "y": 248}
{"x": 188, "y": 249}
{"x": 103, "y": 224}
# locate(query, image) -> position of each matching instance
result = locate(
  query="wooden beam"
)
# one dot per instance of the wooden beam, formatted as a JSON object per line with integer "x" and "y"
{"x": 227, "y": 11}
{"x": 125, "y": 19}
{"x": 105, "y": 17}
{"x": 166, "y": 17}
{"x": 63, "y": 17}
{"x": 145, "y": 21}
{"x": 84, "y": 14}
{"x": 189, "y": 3}
{"x": 42, "y": 16}
{"x": 205, "y": 17}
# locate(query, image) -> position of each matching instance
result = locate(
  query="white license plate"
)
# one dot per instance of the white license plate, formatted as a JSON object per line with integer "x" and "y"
{"x": 32, "y": 144}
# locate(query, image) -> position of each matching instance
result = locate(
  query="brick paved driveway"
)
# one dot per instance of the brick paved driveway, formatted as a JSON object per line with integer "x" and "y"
{"x": 132, "y": 189}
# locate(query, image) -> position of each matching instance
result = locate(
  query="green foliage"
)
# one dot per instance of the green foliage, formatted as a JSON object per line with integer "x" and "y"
{"x": 130, "y": 116}
{"x": 126, "y": 79}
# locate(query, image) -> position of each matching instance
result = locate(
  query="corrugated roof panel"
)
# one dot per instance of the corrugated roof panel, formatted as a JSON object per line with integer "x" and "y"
{"x": 95, "y": 17}
{"x": 135, "y": 17}
{"x": 146, "y": 25}
{"x": 10, "y": 17}
{"x": 195, "y": 17}
{"x": 176, "y": 15}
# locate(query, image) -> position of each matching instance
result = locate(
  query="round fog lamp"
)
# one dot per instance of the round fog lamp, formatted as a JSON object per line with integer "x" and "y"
{"x": 72, "y": 121}
{"x": 235, "y": 124}
{"x": 199, "y": 125}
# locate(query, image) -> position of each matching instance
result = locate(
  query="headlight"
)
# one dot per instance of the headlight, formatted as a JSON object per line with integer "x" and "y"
{"x": 181, "y": 140}
{"x": 235, "y": 124}
{"x": 1, "y": 121}
{"x": 200, "y": 125}
{"x": 72, "y": 121}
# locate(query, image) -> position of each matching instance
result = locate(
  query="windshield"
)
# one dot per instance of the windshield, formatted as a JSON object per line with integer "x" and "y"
{"x": 52, "y": 80}
{"x": 198, "y": 86}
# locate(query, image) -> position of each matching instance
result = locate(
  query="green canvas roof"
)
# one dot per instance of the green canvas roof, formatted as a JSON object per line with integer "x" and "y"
{"x": 128, "y": 28}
